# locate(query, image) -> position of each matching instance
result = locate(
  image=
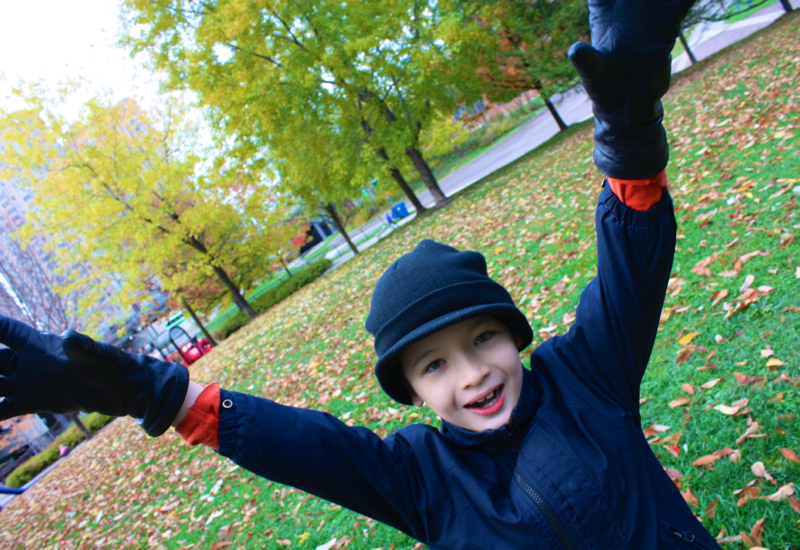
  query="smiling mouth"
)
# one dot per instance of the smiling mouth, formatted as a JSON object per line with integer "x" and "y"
{"x": 490, "y": 403}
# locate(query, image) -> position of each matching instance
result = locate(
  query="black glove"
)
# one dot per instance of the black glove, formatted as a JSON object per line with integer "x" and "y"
{"x": 626, "y": 71}
{"x": 47, "y": 373}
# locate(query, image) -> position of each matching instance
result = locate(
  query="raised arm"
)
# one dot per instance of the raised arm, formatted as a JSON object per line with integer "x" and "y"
{"x": 626, "y": 71}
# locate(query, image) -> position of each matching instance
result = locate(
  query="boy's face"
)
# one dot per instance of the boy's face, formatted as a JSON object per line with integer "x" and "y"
{"x": 470, "y": 373}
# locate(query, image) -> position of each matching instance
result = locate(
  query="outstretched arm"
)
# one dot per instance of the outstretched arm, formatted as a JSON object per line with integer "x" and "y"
{"x": 41, "y": 372}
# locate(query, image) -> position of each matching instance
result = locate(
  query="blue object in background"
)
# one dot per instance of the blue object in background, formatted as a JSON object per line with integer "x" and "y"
{"x": 399, "y": 210}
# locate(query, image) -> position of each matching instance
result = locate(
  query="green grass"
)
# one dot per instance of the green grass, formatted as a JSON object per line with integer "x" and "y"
{"x": 734, "y": 127}
{"x": 71, "y": 437}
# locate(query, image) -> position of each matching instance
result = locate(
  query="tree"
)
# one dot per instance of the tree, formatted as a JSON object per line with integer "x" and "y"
{"x": 41, "y": 305}
{"x": 126, "y": 190}
{"x": 373, "y": 61}
{"x": 711, "y": 11}
{"x": 507, "y": 47}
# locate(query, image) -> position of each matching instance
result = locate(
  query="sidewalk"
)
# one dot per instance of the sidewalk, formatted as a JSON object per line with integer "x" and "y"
{"x": 573, "y": 106}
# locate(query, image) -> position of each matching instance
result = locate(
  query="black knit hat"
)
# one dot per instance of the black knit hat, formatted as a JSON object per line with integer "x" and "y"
{"x": 425, "y": 291}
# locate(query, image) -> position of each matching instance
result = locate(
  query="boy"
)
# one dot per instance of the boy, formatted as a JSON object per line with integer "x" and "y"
{"x": 551, "y": 457}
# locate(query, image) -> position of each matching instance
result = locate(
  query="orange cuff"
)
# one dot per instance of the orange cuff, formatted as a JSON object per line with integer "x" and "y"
{"x": 640, "y": 194}
{"x": 200, "y": 426}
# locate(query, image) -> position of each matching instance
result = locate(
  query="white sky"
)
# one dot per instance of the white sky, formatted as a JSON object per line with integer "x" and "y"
{"x": 54, "y": 40}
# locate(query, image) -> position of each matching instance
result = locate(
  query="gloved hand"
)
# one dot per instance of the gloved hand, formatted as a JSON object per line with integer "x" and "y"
{"x": 47, "y": 373}
{"x": 626, "y": 71}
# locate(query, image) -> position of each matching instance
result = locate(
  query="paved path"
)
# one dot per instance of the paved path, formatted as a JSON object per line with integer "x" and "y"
{"x": 574, "y": 106}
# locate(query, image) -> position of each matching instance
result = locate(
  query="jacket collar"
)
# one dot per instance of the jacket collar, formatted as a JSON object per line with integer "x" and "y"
{"x": 520, "y": 417}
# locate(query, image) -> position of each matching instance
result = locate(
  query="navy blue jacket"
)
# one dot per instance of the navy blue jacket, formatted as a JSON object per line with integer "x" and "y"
{"x": 572, "y": 469}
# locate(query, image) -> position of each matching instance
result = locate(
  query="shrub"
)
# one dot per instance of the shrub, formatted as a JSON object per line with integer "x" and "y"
{"x": 285, "y": 288}
{"x": 71, "y": 437}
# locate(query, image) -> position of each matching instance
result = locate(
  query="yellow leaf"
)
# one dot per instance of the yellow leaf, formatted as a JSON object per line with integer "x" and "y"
{"x": 685, "y": 339}
{"x": 304, "y": 537}
{"x": 774, "y": 362}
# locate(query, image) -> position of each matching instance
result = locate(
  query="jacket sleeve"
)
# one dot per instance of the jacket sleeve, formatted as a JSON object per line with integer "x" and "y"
{"x": 619, "y": 310}
{"x": 319, "y": 454}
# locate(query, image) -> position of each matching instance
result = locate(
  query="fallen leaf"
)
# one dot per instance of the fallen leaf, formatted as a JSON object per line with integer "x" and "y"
{"x": 759, "y": 470}
{"x": 703, "y": 460}
{"x": 687, "y": 338}
{"x": 774, "y": 362}
{"x": 673, "y": 449}
{"x": 718, "y": 296}
{"x": 747, "y": 257}
{"x": 757, "y": 532}
{"x": 767, "y": 353}
{"x": 725, "y": 409}
{"x": 686, "y": 387}
{"x": 711, "y": 383}
{"x": 784, "y": 492}
{"x": 748, "y": 281}
{"x": 689, "y": 497}
{"x": 655, "y": 429}
{"x": 751, "y": 431}
{"x": 794, "y": 504}
{"x": 679, "y": 402}
{"x": 711, "y": 509}
{"x": 789, "y": 454}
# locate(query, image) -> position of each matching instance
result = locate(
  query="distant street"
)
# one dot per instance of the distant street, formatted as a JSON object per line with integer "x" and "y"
{"x": 573, "y": 106}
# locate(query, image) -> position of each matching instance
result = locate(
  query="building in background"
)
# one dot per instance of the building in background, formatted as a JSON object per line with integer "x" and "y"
{"x": 31, "y": 275}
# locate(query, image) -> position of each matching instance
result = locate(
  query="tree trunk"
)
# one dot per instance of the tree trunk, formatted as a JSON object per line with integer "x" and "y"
{"x": 427, "y": 176}
{"x": 401, "y": 181}
{"x": 330, "y": 208}
{"x": 84, "y": 430}
{"x": 285, "y": 267}
{"x": 787, "y": 6}
{"x": 207, "y": 334}
{"x": 550, "y": 107}
{"x": 238, "y": 299}
{"x": 686, "y": 47}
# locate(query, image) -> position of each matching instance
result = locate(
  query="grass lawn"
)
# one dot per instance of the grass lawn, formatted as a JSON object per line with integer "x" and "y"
{"x": 722, "y": 394}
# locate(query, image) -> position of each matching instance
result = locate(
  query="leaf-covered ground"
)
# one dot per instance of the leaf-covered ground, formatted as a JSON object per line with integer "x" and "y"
{"x": 720, "y": 400}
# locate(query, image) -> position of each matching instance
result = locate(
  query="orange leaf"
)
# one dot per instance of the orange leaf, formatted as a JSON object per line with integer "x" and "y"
{"x": 774, "y": 362}
{"x": 719, "y": 295}
{"x": 789, "y": 454}
{"x": 711, "y": 509}
{"x": 687, "y": 388}
{"x": 784, "y": 492}
{"x": 689, "y": 497}
{"x": 679, "y": 402}
{"x": 703, "y": 460}
{"x": 711, "y": 383}
{"x": 794, "y": 504}
{"x": 757, "y": 532}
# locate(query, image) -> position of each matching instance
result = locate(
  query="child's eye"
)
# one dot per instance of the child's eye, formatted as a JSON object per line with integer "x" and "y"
{"x": 433, "y": 367}
{"x": 483, "y": 337}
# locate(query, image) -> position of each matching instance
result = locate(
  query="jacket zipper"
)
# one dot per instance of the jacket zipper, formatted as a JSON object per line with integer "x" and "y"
{"x": 687, "y": 537}
{"x": 547, "y": 511}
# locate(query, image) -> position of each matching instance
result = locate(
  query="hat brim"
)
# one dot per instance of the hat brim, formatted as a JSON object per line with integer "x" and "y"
{"x": 389, "y": 371}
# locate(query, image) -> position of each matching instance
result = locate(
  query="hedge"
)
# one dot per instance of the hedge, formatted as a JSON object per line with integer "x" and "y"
{"x": 71, "y": 437}
{"x": 299, "y": 279}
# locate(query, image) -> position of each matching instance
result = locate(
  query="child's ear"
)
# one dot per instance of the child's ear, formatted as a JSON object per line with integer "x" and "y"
{"x": 518, "y": 340}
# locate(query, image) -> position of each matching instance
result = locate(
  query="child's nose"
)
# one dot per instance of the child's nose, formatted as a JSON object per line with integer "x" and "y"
{"x": 473, "y": 373}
